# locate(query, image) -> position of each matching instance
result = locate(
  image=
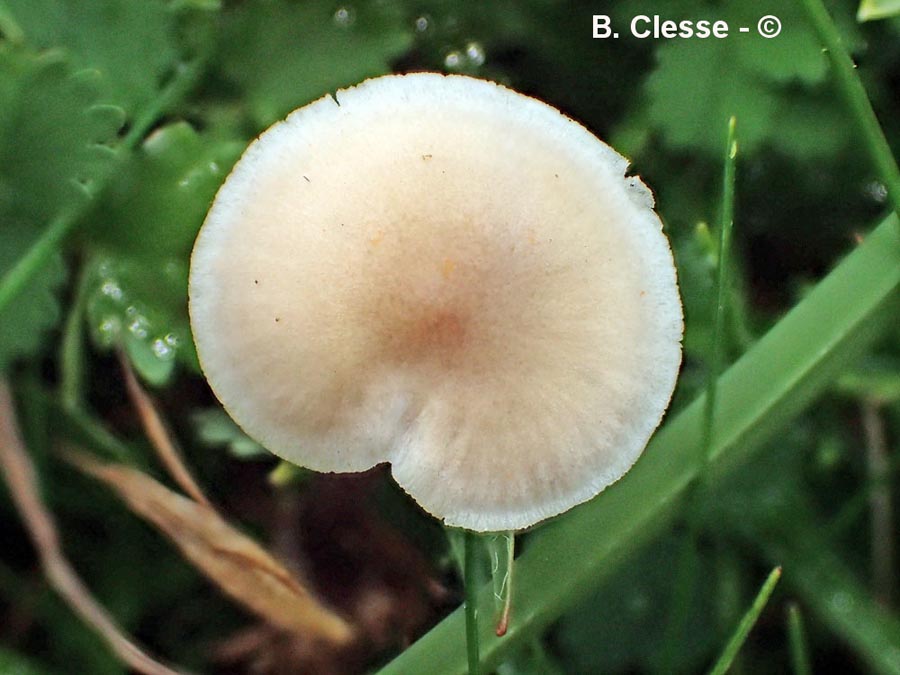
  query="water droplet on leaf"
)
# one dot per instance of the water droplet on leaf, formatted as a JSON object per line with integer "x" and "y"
{"x": 162, "y": 349}
{"x": 475, "y": 53}
{"x": 111, "y": 289}
{"x": 343, "y": 16}
{"x": 108, "y": 331}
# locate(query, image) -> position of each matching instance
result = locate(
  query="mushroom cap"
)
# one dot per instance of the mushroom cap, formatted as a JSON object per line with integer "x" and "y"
{"x": 444, "y": 274}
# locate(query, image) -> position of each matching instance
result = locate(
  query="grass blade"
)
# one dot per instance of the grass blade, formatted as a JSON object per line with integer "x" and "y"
{"x": 684, "y": 577}
{"x": 746, "y": 624}
{"x": 797, "y": 639}
{"x": 830, "y": 591}
{"x": 722, "y": 272}
{"x": 871, "y": 10}
{"x": 857, "y": 101}
{"x": 774, "y": 381}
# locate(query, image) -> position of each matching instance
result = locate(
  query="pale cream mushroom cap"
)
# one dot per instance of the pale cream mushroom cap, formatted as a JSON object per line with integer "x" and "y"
{"x": 441, "y": 273}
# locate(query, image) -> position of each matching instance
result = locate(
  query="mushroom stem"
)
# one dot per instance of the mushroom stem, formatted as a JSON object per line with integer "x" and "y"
{"x": 470, "y": 575}
{"x": 502, "y": 553}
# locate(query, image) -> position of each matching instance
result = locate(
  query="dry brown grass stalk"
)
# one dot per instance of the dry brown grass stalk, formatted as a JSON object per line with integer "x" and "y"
{"x": 23, "y": 486}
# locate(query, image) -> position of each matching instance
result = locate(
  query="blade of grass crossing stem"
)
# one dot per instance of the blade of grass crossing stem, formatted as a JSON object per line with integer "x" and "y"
{"x": 746, "y": 624}
{"x": 683, "y": 589}
{"x": 502, "y": 549}
{"x": 857, "y": 101}
{"x": 769, "y": 385}
{"x": 797, "y": 642}
{"x": 470, "y": 575}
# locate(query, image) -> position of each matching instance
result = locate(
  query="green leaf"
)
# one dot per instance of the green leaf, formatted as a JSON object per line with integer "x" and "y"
{"x": 129, "y": 42}
{"x": 282, "y": 55}
{"x": 141, "y": 238}
{"x": 157, "y": 203}
{"x": 869, "y": 10}
{"x": 24, "y": 323}
{"x": 50, "y": 130}
{"x": 773, "y": 86}
{"x": 793, "y": 55}
{"x": 685, "y": 115}
{"x": 758, "y": 395}
{"x": 216, "y": 429}
{"x": 139, "y": 307}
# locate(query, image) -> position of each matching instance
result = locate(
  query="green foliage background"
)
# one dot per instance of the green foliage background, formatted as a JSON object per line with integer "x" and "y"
{"x": 119, "y": 119}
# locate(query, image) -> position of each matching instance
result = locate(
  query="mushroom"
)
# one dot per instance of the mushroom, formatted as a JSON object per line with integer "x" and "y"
{"x": 443, "y": 274}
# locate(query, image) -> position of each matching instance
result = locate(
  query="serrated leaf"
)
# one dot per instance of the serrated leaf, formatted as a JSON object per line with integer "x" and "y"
{"x": 793, "y": 119}
{"x": 686, "y": 114}
{"x": 137, "y": 305}
{"x": 50, "y": 126}
{"x": 282, "y": 55}
{"x": 25, "y": 322}
{"x": 869, "y": 10}
{"x": 775, "y": 87}
{"x": 141, "y": 238}
{"x": 156, "y": 205}
{"x": 794, "y": 54}
{"x": 129, "y": 42}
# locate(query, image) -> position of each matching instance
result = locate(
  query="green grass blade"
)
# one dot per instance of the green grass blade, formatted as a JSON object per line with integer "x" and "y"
{"x": 774, "y": 381}
{"x": 851, "y": 88}
{"x": 870, "y": 10}
{"x": 746, "y": 624}
{"x": 722, "y": 272}
{"x": 684, "y": 578}
{"x": 830, "y": 592}
{"x": 797, "y": 640}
